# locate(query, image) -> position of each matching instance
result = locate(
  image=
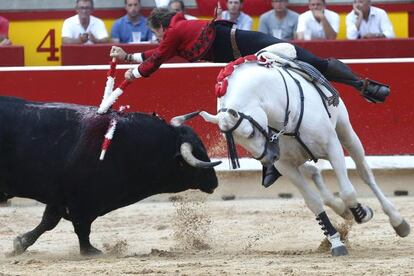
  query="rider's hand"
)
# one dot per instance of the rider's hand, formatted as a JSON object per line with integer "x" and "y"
{"x": 118, "y": 53}
{"x": 129, "y": 75}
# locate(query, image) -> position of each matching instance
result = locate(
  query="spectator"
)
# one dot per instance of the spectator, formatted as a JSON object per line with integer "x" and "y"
{"x": 178, "y": 6}
{"x": 4, "y": 32}
{"x": 132, "y": 27}
{"x": 83, "y": 28}
{"x": 279, "y": 22}
{"x": 234, "y": 14}
{"x": 366, "y": 21}
{"x": 318, "y": 22}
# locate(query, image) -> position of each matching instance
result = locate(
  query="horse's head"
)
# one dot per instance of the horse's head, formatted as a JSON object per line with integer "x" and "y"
{"x": 241, "y": 117}
{"x": 249, "y": 131}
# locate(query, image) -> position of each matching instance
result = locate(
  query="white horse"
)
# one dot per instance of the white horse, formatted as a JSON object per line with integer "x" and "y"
{"x": 261, "y": 105}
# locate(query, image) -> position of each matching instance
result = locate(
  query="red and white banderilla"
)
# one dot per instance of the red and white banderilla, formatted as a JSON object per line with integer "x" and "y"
{"x": 110, "y": 133}
{"x": 110, "y": 96}
{"x": 108, "y": 100}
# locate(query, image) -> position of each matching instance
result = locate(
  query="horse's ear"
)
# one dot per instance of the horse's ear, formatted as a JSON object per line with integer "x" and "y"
{"x": 233, "y": 113}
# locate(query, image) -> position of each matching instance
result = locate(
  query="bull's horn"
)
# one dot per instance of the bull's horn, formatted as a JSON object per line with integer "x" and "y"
{"x": 209, "y": 117}
{"x": 187, "y": 153}
{"x": 179, "y": 120}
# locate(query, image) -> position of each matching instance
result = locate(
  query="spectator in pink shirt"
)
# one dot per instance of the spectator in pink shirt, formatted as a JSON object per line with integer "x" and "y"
{"x": 4, "y": 32}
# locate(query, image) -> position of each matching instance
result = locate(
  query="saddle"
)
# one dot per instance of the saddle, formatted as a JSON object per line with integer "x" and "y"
{"x": 284, "y": 55}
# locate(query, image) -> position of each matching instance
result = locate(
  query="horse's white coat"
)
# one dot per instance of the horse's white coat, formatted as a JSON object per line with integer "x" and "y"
{"x": 260, "y": 92}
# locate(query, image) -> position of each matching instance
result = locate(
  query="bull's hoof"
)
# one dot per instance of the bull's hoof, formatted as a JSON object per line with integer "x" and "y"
{"x": 19, "y": 246}
{"x": 403, "y": 229}
{"x": 339, "y": 251}
{"x": 90, "y": 251}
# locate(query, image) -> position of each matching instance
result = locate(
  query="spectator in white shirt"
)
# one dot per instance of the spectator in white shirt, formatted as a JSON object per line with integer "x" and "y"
{"x": 366, "y": 21}
{"x": 83, "y": 28}
{"x": 234, "y": 14}
{"x": 318, "y": 22}
{"x": 279, "y": 22}
{"x": 178, "y": 6}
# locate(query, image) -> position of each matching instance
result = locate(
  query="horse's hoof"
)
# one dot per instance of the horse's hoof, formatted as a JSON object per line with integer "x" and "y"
{"x": 403, "y": 229}
{"x": 18, "y": 246}
{"x": 339, "y": 251}
{"x": 369, "y": 216}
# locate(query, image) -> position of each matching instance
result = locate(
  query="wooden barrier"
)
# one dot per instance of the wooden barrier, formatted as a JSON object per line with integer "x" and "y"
{"x": 385, "y": 129}
{"x": 345, "y": 49}
{"x": 99, "y": 53}
{"x": 362, "y": 48}
{"x": 11, "y": 55}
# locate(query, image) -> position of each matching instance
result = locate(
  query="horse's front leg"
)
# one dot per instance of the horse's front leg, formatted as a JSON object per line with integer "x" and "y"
{"x": 314, "y": 203}
{"x": 335, "y": 203}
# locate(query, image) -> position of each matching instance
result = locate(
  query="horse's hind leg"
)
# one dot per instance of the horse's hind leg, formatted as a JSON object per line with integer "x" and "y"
{"x": 314, "y": 203}
{"x": 328, "y": 198}
{"x": 348, "y": 194}
{"x": 50, "y": 219}
{"x": 353, "y": 145}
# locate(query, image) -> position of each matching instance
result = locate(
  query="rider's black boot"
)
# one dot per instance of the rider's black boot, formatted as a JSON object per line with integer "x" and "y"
{"x": 371, "y": 90}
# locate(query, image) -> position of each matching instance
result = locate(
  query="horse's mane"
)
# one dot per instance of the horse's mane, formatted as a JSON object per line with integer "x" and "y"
{"x": 225, "y": 73}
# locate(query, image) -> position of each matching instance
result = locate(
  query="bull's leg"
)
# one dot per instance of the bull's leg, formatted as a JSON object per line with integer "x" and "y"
{"x": 82, "y": 228}
{"x": 314, "y": 203}
{"x": 348, "y": 194}
{"x": 328, "y": 198}
{"x": 50, "y": 219}
{"x": 352, "y": 143}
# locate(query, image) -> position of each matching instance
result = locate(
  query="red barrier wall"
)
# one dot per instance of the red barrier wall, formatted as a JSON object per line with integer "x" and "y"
{"x": 385, "y": 129}
{"x": 11, "y": 55}
{"x": 367, "y": 48}
{"x": 362, "y": 48}
{"x": 99, "y": 54}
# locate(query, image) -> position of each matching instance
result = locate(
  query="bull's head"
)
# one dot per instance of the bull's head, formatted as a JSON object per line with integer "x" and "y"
{"x": 250, "y": 133}
{"x": 195, "y": 155}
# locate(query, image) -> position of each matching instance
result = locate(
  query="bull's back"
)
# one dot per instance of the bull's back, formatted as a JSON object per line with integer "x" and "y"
{"x": 39, "y": 141}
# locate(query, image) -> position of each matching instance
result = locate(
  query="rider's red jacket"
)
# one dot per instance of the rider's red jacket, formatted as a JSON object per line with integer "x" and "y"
{"x": 190, "y": 39}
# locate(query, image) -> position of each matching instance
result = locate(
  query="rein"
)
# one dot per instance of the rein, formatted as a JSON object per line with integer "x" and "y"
{"x": 232, "y": 151}
{"x": 272, "y": 135}
{"x": 296, "y": 133}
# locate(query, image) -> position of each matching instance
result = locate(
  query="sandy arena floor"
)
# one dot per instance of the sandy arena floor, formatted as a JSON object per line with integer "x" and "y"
{"x": 194, "y": 236}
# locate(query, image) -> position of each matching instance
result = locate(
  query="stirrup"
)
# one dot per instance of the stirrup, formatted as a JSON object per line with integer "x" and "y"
{"x": 375, "y": 92}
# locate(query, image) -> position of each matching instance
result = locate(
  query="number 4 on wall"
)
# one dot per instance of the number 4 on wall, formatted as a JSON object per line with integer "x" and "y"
{"x": 52, "y": 46}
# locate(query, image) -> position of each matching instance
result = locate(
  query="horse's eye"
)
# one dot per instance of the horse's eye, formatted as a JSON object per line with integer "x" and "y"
{"x": 252, "y": 134}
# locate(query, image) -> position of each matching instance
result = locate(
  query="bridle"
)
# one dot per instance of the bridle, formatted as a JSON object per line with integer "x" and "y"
{"x": 271, "y": 136}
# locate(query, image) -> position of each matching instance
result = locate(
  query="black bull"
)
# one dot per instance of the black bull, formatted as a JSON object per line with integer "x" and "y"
{"x": 49, "y": 152}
